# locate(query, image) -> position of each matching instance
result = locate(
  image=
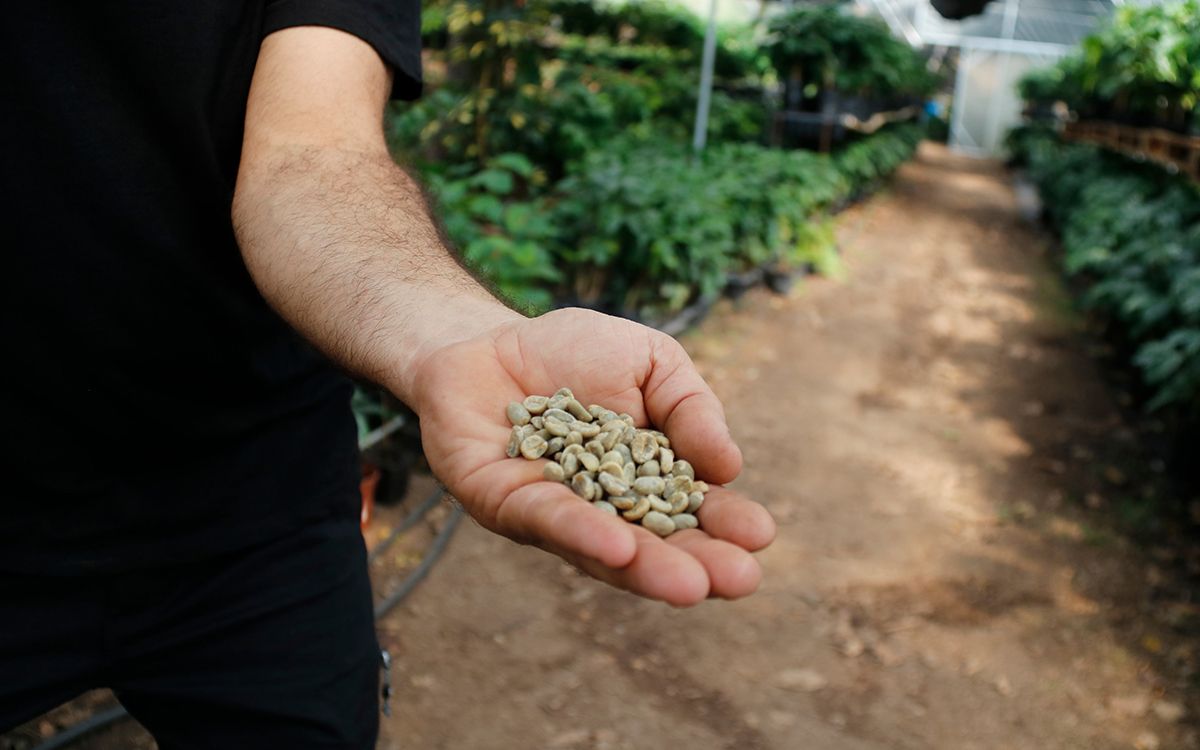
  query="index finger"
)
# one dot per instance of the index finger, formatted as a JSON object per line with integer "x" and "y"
{"x": 691, "y": 415}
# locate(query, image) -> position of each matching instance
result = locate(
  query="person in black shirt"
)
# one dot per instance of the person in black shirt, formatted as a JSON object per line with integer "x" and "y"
{"x": 187, "y": 188}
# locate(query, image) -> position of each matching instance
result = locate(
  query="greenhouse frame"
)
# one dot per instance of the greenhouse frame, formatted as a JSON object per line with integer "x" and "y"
{"x": 995, "y": 48}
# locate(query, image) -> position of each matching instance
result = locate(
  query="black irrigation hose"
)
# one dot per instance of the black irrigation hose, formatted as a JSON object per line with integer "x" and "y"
{"x": 431, "y": 556}
{"x": 412, "y": 519}
{"x": 110, "y": 716}
{"x": 85, "y": 727}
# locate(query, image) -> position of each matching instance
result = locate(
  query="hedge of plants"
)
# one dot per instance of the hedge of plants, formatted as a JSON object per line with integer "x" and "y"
{"x": 643, "y": 229}
{"x": 555, "y": 137}
{"x": 824, "y": 48}
{"x": 1131, "y": 235}
{"x": 1142, "y": 68}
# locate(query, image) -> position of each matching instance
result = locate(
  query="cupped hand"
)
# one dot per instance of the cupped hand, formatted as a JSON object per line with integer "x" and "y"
{"x": 462, "y": 390}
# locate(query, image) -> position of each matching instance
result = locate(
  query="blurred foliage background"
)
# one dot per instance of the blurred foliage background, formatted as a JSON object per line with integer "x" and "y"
{"x": 554, "y": 135}
{"x": 1130, "y": 230}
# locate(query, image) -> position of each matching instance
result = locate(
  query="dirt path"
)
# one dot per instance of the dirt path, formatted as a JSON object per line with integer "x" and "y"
{"x": 924, "y": 431}
{"x": 917, "y": 431}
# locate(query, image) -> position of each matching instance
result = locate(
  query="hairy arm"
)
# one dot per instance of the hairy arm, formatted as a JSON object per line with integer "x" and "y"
{"x": 337, "y": 237}
{"x": 340, "y": 242}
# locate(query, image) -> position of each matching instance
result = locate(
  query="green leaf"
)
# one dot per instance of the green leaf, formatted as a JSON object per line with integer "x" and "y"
{"x": 496, "y": 181}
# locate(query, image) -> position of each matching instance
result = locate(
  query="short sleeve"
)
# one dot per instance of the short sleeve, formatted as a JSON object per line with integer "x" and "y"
{"x": 392, "y": 27}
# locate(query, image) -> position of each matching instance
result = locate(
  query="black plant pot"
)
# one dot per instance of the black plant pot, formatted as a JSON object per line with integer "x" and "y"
{"x": 958, "y": 9}
{"x": 737, "y": 284}
{"x": 781, "y": 279}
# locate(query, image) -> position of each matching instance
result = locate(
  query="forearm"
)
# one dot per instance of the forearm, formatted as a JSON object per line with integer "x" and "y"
{"x": 342, "y": 245}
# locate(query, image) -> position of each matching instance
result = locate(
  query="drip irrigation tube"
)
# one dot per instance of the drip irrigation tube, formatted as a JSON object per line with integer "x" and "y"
{"x": 85, "y": 727}
{"x": 412, "y": 519}
{"x": 110, "y": 716}
{"x": 431, "y": 556}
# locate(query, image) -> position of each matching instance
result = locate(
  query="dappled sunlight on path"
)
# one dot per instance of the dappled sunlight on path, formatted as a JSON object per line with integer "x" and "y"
{"x": 920, "y": 430}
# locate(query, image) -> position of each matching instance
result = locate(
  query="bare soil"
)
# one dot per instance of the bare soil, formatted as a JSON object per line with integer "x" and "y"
{"x": 944, "y": 459}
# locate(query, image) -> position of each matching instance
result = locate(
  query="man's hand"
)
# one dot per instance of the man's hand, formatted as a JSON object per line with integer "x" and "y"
{"x": 339, "y": 240}
{"x": 462, "y": 390}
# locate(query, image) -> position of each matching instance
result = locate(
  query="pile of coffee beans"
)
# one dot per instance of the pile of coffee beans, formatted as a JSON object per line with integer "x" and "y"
{"x": 607, "y": 461}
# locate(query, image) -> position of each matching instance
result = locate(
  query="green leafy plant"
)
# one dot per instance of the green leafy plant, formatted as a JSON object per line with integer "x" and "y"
{"x": 1132, "y": 234}
{"x": 505, "y": 238}
{"x": 827, "y": 48}
{"x": 1143, "y": 66}
{"x": 647, "y": 227}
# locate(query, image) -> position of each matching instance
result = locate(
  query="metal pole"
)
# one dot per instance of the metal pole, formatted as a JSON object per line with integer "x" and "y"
{"x": 700, "y": 134}
{"x": 1012, "y": 8}
{"x": 958, "y": 132}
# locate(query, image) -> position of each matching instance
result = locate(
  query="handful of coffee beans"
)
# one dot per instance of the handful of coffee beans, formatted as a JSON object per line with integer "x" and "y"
{"x": 607, "y": 461}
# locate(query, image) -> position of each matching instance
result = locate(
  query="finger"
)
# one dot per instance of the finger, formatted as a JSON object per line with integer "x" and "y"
{"x": 548, "y": 514}
{"x": 732, "y": 571}
{"x": 679, "y": 400}
{"x": 729, "y": 516}
{"x": 658, "y": 571}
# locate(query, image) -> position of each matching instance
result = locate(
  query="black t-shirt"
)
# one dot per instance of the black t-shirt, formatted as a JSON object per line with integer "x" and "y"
{"x": 155, "y": 408}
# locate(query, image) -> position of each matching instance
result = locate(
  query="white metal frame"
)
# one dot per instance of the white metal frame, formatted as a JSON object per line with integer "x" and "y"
{"x": 922, "y": 30}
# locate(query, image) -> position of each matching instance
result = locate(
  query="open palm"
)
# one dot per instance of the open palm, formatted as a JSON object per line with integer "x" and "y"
{"x": 462, "y": 391}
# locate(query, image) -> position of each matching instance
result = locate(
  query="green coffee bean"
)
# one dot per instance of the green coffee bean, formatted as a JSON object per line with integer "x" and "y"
{"x": 589, "y": 461}
{"x": 659, "y": 523}
{"x": 644, "y": 447}
{"x": 640, "y": 508}
{"x": 583, "y": 486}
{"x": 666, "y": 460}
{"x": 623, "y": 502}
{"x": 649, "y": 485}
{"x": 588, "y": 430}
{"x": 535, "y": 404}
{"x": 684, "y": 521}
{"x": 612, "y": 485}
{"x": 534, "y": 447}
{"x": 649, "y": 469}
{"x": 517, "y": 414}
{"x": 578, "y": 411}
{"x": 683, "y": 469}
{"x": 553, "y": 472}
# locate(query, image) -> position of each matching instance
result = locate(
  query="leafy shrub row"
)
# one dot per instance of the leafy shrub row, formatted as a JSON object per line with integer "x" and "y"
{"x": 827, "y": 48}
{"x": 1132, "y": 233}
{"x": 1142, "y": 68}
{"x": 555, "y": 138}
{"x": 642, "y": 228}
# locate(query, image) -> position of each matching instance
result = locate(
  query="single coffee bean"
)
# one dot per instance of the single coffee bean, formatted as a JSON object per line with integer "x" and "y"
{"x": 684, "y": 521}
{"x": 583, "y": 486}
{"x": 638, "y": 510}
{"x": 535, "y": 404}
{"x": 649, "y": 469}
{"x": 517, "y": 414}
{"x": 658, "y": 523}
{"x": 533, "y": 447}
{"x": 649, "y": 485}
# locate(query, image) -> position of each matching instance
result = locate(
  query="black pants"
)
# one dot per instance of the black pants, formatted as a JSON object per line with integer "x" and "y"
{"x": 269, "y": 647}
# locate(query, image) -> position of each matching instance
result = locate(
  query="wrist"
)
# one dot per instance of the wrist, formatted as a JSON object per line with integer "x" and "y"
{"x": 456, "y": 322}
